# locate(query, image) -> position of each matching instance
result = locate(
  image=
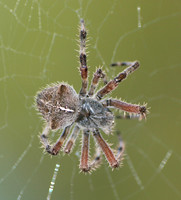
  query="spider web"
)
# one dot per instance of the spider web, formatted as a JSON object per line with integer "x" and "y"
{"x": 37, "y": 47}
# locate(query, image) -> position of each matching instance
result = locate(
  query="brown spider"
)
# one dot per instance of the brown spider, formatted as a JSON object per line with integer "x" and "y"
{"x": 62, "y": 107}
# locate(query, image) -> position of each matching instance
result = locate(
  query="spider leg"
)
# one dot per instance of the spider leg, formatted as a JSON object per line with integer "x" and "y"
{"x": 113, "y": 162}
{"x": 128, "y": 107}
{"x": 83, "y": 62}
{"x": 121, "y": 64}
{"x": 44, "y": 137}
{"x": 71, "y": 140}
{"x": 54, "y": 149}
{"x": 105, "y": 80}
{"x": 97, "y": 75}
{"x": 111, "y": 85}
{"x": 95, "y": 163}
{"x": 121, "y": 148}
{"x": 84, "y": 160}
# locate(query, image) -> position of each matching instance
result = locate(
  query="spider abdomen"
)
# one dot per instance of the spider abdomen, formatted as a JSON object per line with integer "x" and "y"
{"x": 58, "y": 105}
{"x": 94, "y": 115}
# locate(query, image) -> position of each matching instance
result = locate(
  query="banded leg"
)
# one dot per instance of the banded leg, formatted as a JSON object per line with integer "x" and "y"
{"x": 119, "y": 155}
{"x": 128, "y": 107}
{"x": 53, "y": 150}
{"x": 121, "y": 148}
{"x": 71, "y": 140}
{"x": 97, "y": 75}
{"x": 111, "y": 85}
{"x": 124, "y": 64}
{"x": 83, "y": 62}
{"x": 44, "y": 137}
{"x": 95, "y": 163}
{"x": 113, "y": 162}
{"x": 84, "y": 160}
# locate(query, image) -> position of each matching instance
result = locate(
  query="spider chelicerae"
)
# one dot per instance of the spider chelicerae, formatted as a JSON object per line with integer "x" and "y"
{"x": 87, "y": 112}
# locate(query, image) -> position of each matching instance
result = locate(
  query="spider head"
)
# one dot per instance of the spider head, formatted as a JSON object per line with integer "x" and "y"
{"x": 58, "y": 105}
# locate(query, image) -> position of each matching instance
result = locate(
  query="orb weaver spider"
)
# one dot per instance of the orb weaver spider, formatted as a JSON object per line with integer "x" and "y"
{"x": 87, "y": 112}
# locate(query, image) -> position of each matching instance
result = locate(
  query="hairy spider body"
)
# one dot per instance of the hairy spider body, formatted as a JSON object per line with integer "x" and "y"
{"x": 62, "y": 108}
{"x": 94, "y": 115}
{"x": 58, "y": 105}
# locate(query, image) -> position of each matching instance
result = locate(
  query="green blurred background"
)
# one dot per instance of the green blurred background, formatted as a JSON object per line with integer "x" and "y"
{"x": 38, "y": 46}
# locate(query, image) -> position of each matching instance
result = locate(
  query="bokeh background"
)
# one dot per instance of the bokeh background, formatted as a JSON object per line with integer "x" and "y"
{"x": 38, "y": 43}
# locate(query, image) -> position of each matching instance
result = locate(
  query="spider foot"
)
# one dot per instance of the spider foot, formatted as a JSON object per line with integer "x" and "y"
{"x": 115, "y": 164}
{"x": 53, "y": 151}
{"x": 85, "y": 169}
{"x": 47, "y": 146}
{"x": 68, "y": 147}
{"x": 143, "y": 112}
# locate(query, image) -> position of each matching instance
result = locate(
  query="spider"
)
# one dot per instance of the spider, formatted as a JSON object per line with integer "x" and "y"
{"x": 88, "y": 112}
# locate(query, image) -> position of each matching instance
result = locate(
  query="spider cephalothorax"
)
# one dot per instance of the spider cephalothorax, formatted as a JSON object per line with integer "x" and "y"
{"x": 93, "y": 115}
{"x": 88, "y": 111}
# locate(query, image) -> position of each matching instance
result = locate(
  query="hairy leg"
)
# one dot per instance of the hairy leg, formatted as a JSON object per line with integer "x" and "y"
{"x": 71, "y": 140}
{"x": 121, "y": 64}
{"x": 83, "y": 58}
{"x": 120, "y": 149}
{"x": 97, "y": 75}
{"x": 128, "y": 107}
{"x": 53, "y": 149}
{"x": 84, "y": 160}
{"x": 113, "y": 162}
{"x": 95, "y": 163}
{"x": 111, "y": 85}
{"x": 44, "y": 137}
